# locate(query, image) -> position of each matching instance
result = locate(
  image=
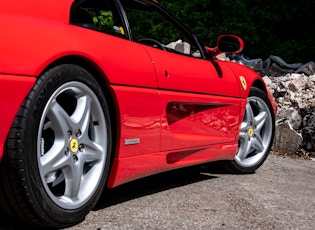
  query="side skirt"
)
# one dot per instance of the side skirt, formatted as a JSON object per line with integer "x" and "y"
{"x": 135, "y": 167}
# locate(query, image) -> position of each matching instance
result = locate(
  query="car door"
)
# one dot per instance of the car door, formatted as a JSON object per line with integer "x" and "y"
{"x": 198, "y": 107}
{"x": 129, "y": 72}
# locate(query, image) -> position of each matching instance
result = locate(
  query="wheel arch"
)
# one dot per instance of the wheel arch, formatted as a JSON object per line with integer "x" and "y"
{"x": 103, "y": 82}
{"x": 260, "y": 85}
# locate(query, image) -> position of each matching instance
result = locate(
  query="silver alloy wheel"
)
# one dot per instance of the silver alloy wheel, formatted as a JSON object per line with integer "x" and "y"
{"x": 255, "y": 134}
{"x": 72, "y": 145}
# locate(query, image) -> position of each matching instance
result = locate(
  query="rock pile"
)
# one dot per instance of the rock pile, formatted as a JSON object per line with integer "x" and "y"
{"x": 295, "y": 125}
{"x": 293, "y": 87}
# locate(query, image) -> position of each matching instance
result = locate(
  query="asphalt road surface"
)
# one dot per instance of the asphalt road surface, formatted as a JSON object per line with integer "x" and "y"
{"x": 280, "y": 195}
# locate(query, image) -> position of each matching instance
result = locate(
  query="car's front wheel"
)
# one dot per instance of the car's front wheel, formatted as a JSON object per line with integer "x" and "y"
{"x": 57, "y": 154}
{"x": 256, "y": 134}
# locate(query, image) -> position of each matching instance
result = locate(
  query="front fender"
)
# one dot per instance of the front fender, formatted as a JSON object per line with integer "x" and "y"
{"x": 247, "y": 78}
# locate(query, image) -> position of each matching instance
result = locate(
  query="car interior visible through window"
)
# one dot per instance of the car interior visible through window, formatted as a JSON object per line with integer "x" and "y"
{"x": 97, "y": 15}
{"x": 157, "y": 31}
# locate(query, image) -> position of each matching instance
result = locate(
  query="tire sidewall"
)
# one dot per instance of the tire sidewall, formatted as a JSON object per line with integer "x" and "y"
{"x": 46, "y": 85}
{"x": 255, "y": 92}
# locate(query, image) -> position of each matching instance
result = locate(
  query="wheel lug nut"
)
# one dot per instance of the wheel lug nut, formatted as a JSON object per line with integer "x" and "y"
{"x": 81, "y": 147}
{"x": 67, "y": 151}
{"x": 78, "y": 133}
{"x": 75, "y": 158}
{"x": 69, "y": 134}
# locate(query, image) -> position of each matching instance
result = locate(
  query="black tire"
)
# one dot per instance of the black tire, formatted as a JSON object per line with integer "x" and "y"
{"x": 57, "y": 154}
{"x": 256, "y": 134}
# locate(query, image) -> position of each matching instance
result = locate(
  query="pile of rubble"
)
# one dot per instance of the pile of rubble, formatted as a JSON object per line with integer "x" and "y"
{"x": 295, "y": 125}
{"x": 293, "y": 86}
{"x": 273, "y": 65}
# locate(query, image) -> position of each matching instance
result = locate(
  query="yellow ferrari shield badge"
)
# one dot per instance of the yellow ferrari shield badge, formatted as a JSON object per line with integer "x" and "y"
{"x": 250, "y": 132}
{"x": 243, "y": 82}
{"x": 74, "y": 145}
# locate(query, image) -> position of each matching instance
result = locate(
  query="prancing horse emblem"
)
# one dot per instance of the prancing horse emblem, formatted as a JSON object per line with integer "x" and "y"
{"x": 74, "y": 145}
{"x": 243, "y": 82}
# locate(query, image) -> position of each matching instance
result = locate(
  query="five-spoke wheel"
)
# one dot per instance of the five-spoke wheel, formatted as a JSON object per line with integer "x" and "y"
{"x": 71, "y": 147}
{"x": 58, "y": 150}
{"x": 256, "y": 134}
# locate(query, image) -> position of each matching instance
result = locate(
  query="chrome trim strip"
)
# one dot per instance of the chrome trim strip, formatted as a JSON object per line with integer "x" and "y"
{"x": 133, "y": 141}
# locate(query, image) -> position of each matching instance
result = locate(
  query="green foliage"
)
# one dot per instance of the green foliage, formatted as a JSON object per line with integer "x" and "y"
{"x": 268, "y": 27}
{"x": 102, "y": 19}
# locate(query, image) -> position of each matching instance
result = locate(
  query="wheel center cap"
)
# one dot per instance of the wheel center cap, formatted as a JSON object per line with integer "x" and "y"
{"x": 250, "y": 132}
{"x": 74, "y": 145}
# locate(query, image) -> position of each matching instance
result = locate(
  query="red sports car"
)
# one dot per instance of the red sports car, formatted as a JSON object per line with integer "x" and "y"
{"x": 97, "y": 93}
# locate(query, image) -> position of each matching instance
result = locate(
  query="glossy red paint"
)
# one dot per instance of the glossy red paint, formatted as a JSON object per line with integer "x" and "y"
{"x": 168, "y": 109}
{"x": 211, "y": 128}
{"x": 140, "y": 119}
{"x": 164, "y": 88}
{"x": 137, "y": 68}
{"x": 164, "y": 80}
{"x": 198, "y": 120}
{"x": 232, "y": 38}
{"x": 181, "y": 73}
{"x": 51, "y": 10}
{"x": 131, "y": 168}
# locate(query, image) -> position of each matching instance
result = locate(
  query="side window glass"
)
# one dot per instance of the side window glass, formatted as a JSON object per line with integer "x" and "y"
{"x": 151, "y": 28}
{"x": 97, "y": 15}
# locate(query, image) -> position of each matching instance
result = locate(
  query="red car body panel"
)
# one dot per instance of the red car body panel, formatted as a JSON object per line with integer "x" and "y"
{"x": 181, "y": 70}
{"x": 131, "y": 168}
{"x": 141, "y": 119}
{"x": 57, "y": 10}
{"x": 182, "y": 111}
{"x": 251, "y": 78}
{"x": 191, "y": 121}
